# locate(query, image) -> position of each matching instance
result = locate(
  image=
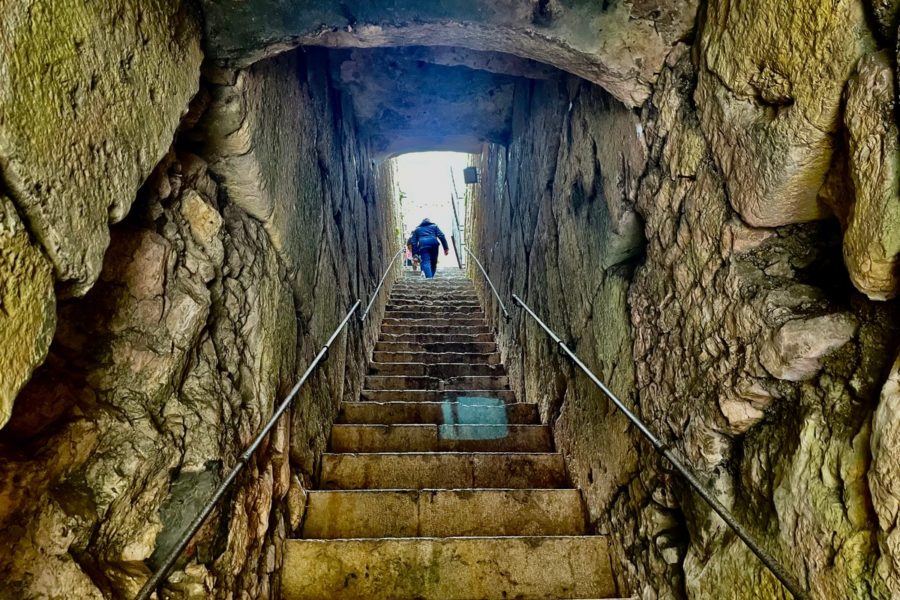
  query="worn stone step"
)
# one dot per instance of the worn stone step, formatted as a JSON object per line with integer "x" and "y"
{"x": 431, "y": 334}
{"x": 436, "y": 322}
{"x": 437, "y": 347}
{"x": 490, "y": 358}
{"x": 437, "y": 412}
{"x": 441, "y": 370}
{"x": 441, "y": 438}
{"x": 434, "y": 292}
{"x": 462, "y": 382}
{"x": 456, "y": 568}
{"x": 468, "y": 298}
{"x": 423, "y": 307}
{"x": 428, "y": 338}
{"x": 415, "y": 304}
{"x": 425, "y": 319}
{"x": 444, "y": 470}
{"x": 422, "y": 283}
{"x": 451, "y": 306}
{"x": 442, "y": 513}
{"x": 442, "y": 297}
{"x": 433, "y": 395}
{"x": 449, "y": 314}
{"x": 412, "y": 311}
{"x": 417, "y": 288}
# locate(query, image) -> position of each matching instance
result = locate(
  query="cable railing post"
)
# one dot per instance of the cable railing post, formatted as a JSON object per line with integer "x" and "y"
{"x": 777, "y": 569}
{"x": 506, "y": 316}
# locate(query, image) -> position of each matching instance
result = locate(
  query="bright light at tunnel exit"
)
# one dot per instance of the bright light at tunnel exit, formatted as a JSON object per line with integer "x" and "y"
{"x": 424, "y": 179}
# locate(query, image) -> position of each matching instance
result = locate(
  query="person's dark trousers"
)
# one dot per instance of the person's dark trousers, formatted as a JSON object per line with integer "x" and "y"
{"x": 429, "y": 258}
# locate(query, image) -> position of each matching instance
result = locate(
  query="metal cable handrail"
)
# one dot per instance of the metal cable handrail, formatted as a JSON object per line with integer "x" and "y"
{"x": 378, "y": 289}
{"x": 788, "y": 580}
{"x": 243, "y": 460}
{"x": 490, "y": 283}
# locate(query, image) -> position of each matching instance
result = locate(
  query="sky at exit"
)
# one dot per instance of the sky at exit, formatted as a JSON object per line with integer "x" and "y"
{"x": 424, "y": 179}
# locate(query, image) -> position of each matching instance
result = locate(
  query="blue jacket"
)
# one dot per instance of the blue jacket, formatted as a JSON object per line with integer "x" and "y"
{"x": 427, "y": 235}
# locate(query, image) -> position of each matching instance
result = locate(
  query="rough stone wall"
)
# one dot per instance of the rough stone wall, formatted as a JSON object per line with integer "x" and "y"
{"x": 329, "y": 213}
{"x": 89, "y": 98}
{"x": 203, "y": 315}
{"x": 621, "y": 45}
{"x": 750, "y": 331}
{"x": 554, "y": 222}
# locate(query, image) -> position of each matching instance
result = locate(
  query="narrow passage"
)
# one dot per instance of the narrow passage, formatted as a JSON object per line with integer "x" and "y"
{"x": 438, "y": 484}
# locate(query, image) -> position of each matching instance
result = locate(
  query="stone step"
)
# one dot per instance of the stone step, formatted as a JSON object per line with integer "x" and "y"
{"x": 423, "y": 311}
{"x": 434, "y": 314}
{"x": 428, "y": 338}
{"x": 431, "y": 334}
{"x": 470, "y": 298}
{"x": 453, "y": 306}
{"x": 443, "y": 470}
{"x": 489, "y": 568}
{"x": 460, "y": 306}
{"x": 434, "y": 292}
{"x": 442, "y": 370}
{"x": 434, "y": 395}
{"x": 424, "y": 319}
{"x": 415, "y": 304}
{"x": 430, "y": 358}
{"x": 440, "y": 438}
{"x": 439, "y": 298}
{"x": 437, "y": 347}
{"x": 463, "y": 382}
{"x": 390, "y": 413}
{"x": 421, "y": 283}
{"x": 442, "y": 513}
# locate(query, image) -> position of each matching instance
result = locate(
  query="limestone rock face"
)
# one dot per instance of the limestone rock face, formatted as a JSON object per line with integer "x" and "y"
{"x": 796, "y": 350}
{"x": 769, "y": 94}
{"x": 89, "y": 99}
{"x": 619, "y": 45}
{"x": 872, "y": 236}
{"x": 884, "y": 479}
{"x": 554, "y": 222}
{"x": 167, "y": 369}
{"x": 716, "y": 306}
{"x": 28, "y": 302}
{"x": 750, "y": 351}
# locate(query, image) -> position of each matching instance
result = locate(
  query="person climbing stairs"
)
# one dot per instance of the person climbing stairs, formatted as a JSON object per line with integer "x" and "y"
{"x": 438, "y": 484}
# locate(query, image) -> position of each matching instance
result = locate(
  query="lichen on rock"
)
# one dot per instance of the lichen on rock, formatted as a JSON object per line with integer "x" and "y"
{"x": 872, "y": 236}
{"x": 27, "y": 306}
{"x": 90, "y": 96}
{"x": 769, "y": 96}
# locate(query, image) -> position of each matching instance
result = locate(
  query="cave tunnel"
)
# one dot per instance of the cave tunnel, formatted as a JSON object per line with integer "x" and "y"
{"x": 206, "y": 305}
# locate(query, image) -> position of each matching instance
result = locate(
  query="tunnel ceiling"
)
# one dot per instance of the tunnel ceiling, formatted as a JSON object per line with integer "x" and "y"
{"x": 618, "y": 45}
{"x": 420, "y": 98}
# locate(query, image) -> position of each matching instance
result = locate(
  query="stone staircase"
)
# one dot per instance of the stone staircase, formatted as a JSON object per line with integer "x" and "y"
{"x": 438, "y": 484}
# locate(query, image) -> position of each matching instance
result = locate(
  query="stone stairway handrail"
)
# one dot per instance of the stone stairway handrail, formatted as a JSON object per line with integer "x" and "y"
{"x": 163, "y": 570}
{"x": 777, "y": 569}
{"x": 365, "y": 313}
{"x": 490, "y": 283}
{"x": 174, "y": 554}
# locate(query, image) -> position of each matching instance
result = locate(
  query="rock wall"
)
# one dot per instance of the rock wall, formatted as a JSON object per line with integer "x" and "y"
{"x": 720, "y": 258}
{"x": 261, "y": 226}
{"x": 620, "y": 45}
{"x": 89, "y": 99}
